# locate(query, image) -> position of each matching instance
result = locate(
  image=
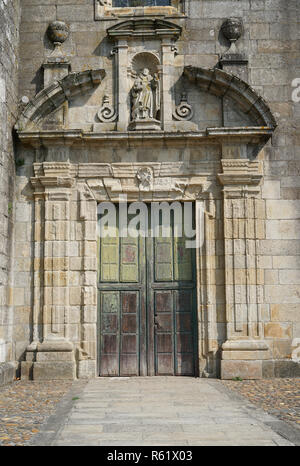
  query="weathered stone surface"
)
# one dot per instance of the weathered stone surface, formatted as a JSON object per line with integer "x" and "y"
{"x": 7, "y": 373}
{"x": 10, "y": 15}
{"x": 54, "y": 370}
{"x": 242, "y": 369}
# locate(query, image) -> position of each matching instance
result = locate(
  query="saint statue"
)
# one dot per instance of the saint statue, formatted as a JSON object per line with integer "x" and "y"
{"x": 145, "y": 96}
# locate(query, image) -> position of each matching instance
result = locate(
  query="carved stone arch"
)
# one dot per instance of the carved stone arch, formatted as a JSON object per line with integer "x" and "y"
{"x": 54, "y": 95}
{"x": 221, "y": 84}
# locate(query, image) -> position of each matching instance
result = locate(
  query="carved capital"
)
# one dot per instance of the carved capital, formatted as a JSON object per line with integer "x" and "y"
{"x": 239, "y": 174}
{"x": 52, "y": 174}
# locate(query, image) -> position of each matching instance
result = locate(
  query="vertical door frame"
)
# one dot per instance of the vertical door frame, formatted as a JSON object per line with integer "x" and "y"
{"x": 149, "y": 357}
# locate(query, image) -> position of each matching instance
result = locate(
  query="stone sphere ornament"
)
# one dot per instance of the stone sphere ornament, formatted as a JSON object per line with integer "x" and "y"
{"x": 58, "y": 32}
{"x": 232, "y": 30}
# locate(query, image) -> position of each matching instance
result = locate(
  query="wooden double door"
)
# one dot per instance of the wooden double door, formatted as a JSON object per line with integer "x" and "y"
{"x": 147, "y": 312}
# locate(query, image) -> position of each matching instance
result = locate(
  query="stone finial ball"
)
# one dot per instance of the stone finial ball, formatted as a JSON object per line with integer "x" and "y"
{"x": 58, "y": 31}
{"x": 232, "y": 29}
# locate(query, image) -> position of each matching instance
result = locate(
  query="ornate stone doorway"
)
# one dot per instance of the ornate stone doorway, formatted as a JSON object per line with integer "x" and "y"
{"x": 147, "y": 303}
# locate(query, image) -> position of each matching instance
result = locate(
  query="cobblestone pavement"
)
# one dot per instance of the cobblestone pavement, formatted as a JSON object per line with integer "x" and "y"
{"x": 25, "y": 406}
{"x": 154, "y": 411}
{"x": 279, "y": 397}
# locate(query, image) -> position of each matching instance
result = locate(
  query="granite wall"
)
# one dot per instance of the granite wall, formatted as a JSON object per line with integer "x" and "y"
{"x": 271, "y": 44}
{"x": 9, "y": 62}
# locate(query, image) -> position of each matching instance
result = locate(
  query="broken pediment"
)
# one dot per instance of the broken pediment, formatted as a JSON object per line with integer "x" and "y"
{"x": 51, "y": 99}
{"x": 235, "y": 91}
{"x": 202, "y": 99}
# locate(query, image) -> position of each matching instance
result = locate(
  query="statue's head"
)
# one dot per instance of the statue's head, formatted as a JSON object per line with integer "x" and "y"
{"x": 145, "y": 71}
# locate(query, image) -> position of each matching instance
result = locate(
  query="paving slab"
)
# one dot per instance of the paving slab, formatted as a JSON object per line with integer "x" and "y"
{"x": 162, "y": 411}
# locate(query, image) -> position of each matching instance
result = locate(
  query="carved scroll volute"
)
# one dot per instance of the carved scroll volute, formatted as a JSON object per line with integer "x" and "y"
{"x": 184, "y": 110}
{"x": 107, "y": 112}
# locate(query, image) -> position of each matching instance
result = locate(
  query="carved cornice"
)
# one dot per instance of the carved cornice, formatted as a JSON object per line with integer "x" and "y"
{"x": 244, "y": 134}
{"x": 52, "y": 174}
{"x": 144, "y": 28}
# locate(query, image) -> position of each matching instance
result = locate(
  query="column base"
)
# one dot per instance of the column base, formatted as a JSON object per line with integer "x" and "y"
{"x": 244, "y": 359}
{"x": 50, "y": 360}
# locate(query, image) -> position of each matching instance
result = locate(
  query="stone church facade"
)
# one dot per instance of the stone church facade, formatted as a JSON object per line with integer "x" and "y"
{"x": 190, "y": 102}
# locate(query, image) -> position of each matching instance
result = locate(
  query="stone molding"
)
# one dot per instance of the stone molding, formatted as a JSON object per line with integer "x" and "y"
{"x": 144, "y": 28}
{"x": 240, "y": 173}
{"x": 253, "y": 135}
{"x": 105, "y": 11}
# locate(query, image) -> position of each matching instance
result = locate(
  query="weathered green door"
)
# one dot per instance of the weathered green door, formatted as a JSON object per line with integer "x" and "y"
{"x": 147, "y": 323}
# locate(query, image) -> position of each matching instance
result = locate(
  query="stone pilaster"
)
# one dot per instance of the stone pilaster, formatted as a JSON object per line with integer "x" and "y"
{"x": 51, "y": 354}
{"x": 87, "y": 227}
{"x": 167, "y": 53}
{"x": 122, "y": 84}
{"x": 206, "y": 288}
{"x": 244, "y": 220}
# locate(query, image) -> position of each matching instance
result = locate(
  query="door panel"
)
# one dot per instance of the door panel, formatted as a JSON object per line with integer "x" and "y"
{"x": 172, "y": 292}
{"x": 147, "y": 322}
